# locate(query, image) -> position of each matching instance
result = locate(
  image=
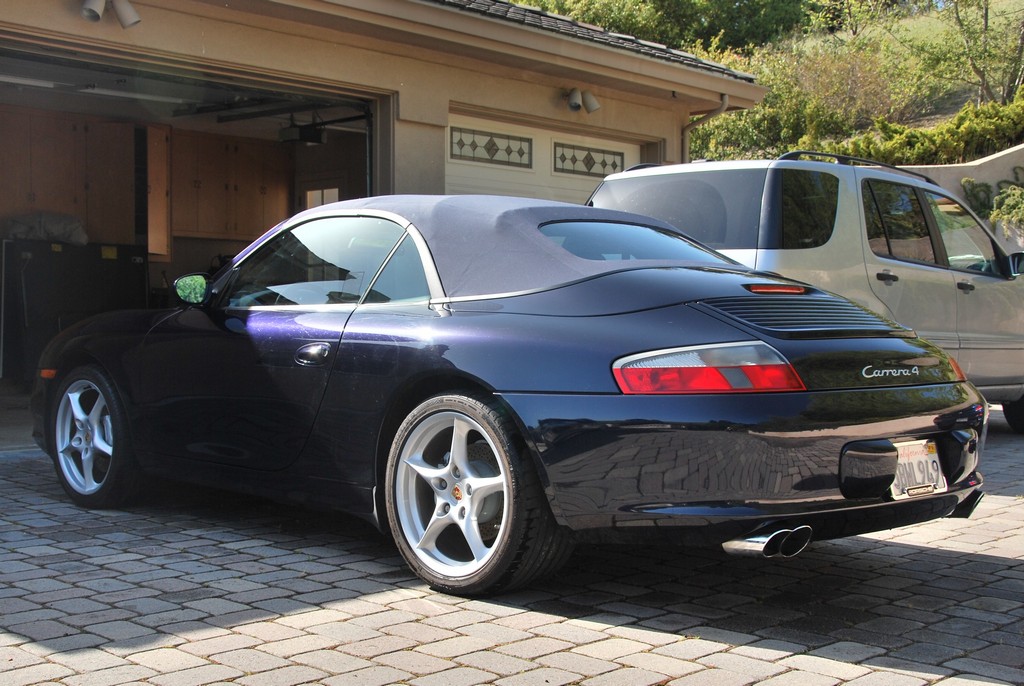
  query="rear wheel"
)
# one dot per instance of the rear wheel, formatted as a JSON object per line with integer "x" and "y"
{"x": 1014, "y": 413}
{"x": 464, "y": 505}
{"x": 91, "y": 452}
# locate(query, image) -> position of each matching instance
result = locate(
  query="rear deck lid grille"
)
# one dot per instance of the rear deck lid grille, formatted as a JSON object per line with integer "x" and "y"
{"x": 817, "y": 315}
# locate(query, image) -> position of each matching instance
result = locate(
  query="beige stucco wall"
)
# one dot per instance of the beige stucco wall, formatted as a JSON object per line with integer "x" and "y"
{"x": 1003, "y": 167}
{"x": 419, "y": 85}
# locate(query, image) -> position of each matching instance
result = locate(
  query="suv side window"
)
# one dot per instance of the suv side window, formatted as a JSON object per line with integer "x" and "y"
{"x": 967, "y": 245}
{"x": 810, "y": 200}
{"x": 895, "y": 222}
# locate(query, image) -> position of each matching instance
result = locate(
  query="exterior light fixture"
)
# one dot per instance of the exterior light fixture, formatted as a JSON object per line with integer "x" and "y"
{"x": 126, "y": 14}
{"x": 93, "y": 9}
{"x": 584, "y": 100}
{"x": 575, "y": 100}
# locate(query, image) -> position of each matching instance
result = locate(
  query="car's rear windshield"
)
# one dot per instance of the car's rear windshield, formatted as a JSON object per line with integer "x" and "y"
{"x": 616, "y": 241}
{"x": 720, "y": 208}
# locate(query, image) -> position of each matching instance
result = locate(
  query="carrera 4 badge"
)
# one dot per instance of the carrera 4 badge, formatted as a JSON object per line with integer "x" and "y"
{"x": 872, "y": 372}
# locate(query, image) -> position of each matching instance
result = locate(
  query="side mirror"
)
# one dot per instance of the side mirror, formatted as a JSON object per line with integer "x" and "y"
{"x": 192, "y": 288}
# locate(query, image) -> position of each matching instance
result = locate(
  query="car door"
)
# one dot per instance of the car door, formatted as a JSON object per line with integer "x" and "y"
{"x": 905, "y": 264}
{"x": 990, "y": 320}
{"x": 239, "y": 380}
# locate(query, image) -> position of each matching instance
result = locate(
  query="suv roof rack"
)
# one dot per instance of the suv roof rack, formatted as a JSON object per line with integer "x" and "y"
{"x": 847, "y": 159}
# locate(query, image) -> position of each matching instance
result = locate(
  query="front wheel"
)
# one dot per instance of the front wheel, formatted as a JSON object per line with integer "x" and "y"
{"x": 464, "y": 505}
{"x": 90, "y": 439}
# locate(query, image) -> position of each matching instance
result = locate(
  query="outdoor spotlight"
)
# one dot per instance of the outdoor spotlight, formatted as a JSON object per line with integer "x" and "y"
{"x": 575, "y": 100}
{"x": 93, "y": 9}
{"x": 126, "y": 14}
{"x": 590, "y": 103}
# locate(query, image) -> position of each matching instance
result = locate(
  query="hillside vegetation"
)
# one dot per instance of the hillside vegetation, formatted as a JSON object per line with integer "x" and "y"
{"x": 867, "y": 92}
{"x": 851, "y": 76}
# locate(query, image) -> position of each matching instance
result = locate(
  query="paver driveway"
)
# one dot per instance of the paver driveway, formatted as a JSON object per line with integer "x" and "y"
{"x": 198, "y": 587}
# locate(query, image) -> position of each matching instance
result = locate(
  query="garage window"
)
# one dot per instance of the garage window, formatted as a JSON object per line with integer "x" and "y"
{"x": 488, "y": 147}
{"x": 584, "y": 161}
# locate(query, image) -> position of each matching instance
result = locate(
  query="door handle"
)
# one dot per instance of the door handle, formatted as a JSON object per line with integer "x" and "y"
{"x": 965, "y": 286}
{"x": 313, "y": 354}
{"x": 887, "y": 276}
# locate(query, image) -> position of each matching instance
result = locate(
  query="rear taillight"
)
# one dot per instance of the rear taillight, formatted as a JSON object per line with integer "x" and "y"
{"x": 718, "y": 368}
{"x": 960, "y": 376}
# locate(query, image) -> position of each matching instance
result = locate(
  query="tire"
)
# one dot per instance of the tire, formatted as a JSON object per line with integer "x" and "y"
{"x": 1014, "y": 413}
{"x": 464, "y": 505}
{"x": 92, "y": 454}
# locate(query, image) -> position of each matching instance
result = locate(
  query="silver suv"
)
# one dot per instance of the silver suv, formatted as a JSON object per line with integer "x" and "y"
{"x": 884, "y": 237}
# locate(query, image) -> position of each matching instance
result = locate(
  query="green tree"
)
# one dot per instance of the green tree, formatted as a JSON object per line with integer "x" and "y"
{"x": 736, "y": 24}
{"x": 982, "y": 45}
{"x": 745, "y": 23}
{"x": 854, "y": 16}
{"x": 818, "y": 90}
{"x": 661, "y": 21}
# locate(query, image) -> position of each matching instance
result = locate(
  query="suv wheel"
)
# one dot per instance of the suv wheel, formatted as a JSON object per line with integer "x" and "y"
{"x": 1014, "y": 413}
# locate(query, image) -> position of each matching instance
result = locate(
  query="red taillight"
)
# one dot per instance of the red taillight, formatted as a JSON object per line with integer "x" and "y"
{"x": 956, "y": 368}
{"x": 721, "y": 368}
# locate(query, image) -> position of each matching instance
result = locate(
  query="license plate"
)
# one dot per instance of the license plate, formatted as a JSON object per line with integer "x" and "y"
{"x": 918, "y": 471}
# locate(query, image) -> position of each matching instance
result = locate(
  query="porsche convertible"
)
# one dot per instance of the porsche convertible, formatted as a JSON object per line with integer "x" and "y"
{"x": 493, "y": 380}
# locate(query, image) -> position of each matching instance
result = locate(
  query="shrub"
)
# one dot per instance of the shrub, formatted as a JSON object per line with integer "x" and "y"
{"x": 976, "y": 131}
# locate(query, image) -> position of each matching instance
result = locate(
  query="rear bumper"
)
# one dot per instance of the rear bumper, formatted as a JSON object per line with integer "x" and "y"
{"x": 712, "y": 468}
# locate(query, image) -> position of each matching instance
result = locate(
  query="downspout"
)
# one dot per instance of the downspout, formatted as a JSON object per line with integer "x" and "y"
{"x": 697, "y": 122}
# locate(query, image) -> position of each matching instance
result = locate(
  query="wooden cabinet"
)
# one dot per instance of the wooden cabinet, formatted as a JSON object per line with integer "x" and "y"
{"x": 55, "y": 170}
{"x": 16, "y": 194}
{"x": 227, "y": 187}
{"x": 158, "y": 192}
{"x": 110, "y": 182}
{"x": 40, "y": 163}
{"x": 69, "y": 164}
{"x": 260, "y": 188}
{"x": 199, "y": 185}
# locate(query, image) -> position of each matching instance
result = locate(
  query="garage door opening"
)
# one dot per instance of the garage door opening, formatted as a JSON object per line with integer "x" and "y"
{"x": 120, "y": 176}
{"x": 252, "y": 141}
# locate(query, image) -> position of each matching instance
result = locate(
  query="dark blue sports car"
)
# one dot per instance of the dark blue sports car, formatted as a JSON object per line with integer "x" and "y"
{"x": 495, "y": 379}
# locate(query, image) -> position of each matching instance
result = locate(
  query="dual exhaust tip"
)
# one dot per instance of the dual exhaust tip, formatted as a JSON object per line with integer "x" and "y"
{"x": 780, "y": 543}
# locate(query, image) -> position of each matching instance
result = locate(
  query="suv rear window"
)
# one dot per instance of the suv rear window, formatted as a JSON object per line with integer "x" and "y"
{"x": 720, "y": 208}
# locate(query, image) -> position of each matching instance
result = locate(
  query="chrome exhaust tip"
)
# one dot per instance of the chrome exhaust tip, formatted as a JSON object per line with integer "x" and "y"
{"x": 796, "y": 541}
{"x": 780, "y": 543}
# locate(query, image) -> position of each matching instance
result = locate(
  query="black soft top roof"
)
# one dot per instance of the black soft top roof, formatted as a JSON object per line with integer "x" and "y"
{"x": 489, "y": 245}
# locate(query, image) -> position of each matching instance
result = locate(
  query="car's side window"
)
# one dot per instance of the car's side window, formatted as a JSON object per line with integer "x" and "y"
{"x": 320, "y": 262}
{"x": 967, "y": 244}
{"x": 402, "y": 279}
{"x": 896, "y": 222}
{"x": 810, "y": 200}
